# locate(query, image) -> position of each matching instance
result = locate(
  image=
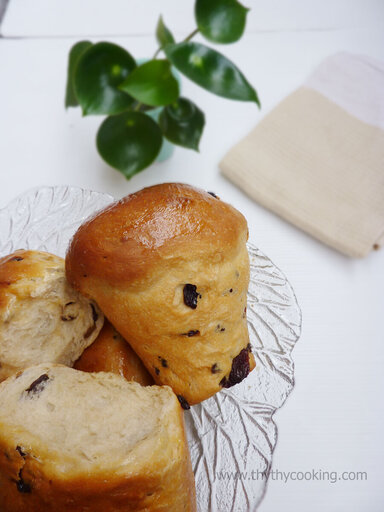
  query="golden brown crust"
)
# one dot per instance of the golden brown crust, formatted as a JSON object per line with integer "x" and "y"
{"x": 36, "y": 477}
{"x": 110, "y": 352}
{"x": 42, "y": 318}
{"x": 124, "y": 243}
{"x": 26, "y": 488}
{"x": 142, "y": 257}
{"x": 21, "y": 265}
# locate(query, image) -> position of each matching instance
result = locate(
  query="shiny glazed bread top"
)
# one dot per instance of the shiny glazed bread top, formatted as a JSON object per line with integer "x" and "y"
{"x": 165, "y": 223}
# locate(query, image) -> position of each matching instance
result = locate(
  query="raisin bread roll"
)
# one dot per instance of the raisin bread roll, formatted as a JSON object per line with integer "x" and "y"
{"x": 42, "y": 318}
{"x": 76, "y": 441}
{"x": 169, "y": 268}
{"x": 111, "y": 353}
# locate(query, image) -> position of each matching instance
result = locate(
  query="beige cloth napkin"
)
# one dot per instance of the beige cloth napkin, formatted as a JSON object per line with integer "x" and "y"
{"x": 317, "y": 159}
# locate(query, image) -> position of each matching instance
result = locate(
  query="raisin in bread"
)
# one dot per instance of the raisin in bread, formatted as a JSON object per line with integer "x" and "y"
{"x": 42, "y": 318}
{"x": 169, "y": 268}
{"x": 111, "y": 353}
{"x": 76, "y": 441}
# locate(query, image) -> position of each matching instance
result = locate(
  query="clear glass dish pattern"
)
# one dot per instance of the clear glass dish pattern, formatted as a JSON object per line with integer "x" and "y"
{"x": 232, "y": 435}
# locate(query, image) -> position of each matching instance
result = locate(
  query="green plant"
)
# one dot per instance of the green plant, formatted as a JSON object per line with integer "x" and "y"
{"x": 104, "y": 79}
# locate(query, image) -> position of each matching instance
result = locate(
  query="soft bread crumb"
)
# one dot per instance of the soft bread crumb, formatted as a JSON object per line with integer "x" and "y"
{"x": 42, "y": 318}
{"x": 79, "y": 441}
{"x": 88, "y": 418}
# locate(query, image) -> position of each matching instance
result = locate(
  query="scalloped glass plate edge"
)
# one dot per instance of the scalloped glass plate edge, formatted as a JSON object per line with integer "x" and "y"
{"x": 232, "y": 435}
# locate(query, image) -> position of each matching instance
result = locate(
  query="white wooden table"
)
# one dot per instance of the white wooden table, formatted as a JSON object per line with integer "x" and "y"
{"x": 334, "y": 419}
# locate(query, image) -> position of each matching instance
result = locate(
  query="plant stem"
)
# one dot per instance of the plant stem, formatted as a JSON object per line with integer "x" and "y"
{"x": 188, "y": 38}
{"x": 156, "y": 53}
{"x": 192, "y": 34}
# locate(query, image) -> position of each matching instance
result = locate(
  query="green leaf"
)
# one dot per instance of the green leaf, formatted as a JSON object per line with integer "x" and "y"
{"x": 182, "y": 123}
{"x": 221, "y": 21}
{"x": 152, "y": 83}
{"x": 211, "y": 70}
{"x": 100, "y": 70}
{"x": 163, "y": 34}
{"x": 74, "y": 55}
{"x": 129, "y": 142}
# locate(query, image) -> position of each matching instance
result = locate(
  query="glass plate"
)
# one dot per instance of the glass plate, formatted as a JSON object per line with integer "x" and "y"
{"x": 232, "y": 435}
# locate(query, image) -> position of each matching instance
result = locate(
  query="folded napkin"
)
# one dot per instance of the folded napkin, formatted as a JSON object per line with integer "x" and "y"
{"x": 317, "y": 159}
